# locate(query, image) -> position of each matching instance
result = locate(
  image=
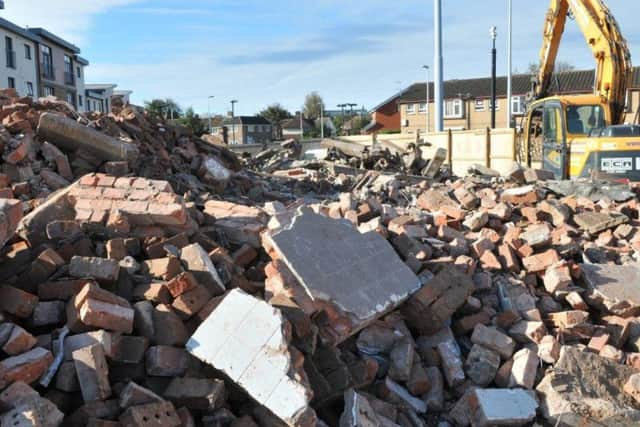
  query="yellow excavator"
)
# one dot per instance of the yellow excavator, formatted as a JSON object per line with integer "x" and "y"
{"x": 584, "y": 135}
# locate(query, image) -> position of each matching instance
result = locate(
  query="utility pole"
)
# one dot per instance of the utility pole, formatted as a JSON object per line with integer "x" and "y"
{"x": 437, "y": 64}
{"x": 209, "y": 112}
{"x": 510, "y": 65}
{"x": 494, "y": 34}
{"x": 233, "y": 119}
{"x": 426, "y": 67}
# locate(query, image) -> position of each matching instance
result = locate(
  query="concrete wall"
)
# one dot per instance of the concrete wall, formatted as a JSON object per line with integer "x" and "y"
{"x": 26, "y": 69}
{"x": 80, "y": 88}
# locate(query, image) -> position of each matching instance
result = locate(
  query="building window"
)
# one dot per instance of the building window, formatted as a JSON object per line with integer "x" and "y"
{"x": 517, "y": 105}
{"x": 80, "y": 100}
{"x": 79, "y": 72}
{"x": 71, "y": 99}
{"x": 11, "y": 55}
{"x": 48, "y": 91}
{"x": 423, "y": 107}
{"x": 251, "y": 128}
{"x": 497, "y": 105}
{"x": 30, "y": 91}
{"x": 453, "y": 109}
{"x": 68, "y": 70}
{"x": 480, "y": 105}
{"x": 411, "y": 109}
{"x": 47, "y": 63}
{"x": 27, "y": 51}
{"x": 12, "y": 83}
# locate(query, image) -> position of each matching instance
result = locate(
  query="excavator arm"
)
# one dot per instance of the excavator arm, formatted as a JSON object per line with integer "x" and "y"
{"x": 602, "y": 34}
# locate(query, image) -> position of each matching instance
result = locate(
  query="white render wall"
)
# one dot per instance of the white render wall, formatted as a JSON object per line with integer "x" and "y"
{"x": 26, "y": 69}
{"x": 80, "y": 87}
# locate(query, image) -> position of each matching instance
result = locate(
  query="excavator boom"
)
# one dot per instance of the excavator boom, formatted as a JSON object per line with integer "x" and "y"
{"x": 603, "y": 36}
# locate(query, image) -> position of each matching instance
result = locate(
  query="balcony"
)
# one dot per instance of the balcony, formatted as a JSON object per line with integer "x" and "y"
{"x": 11, "y": 58}
{"x": 68, "y": 78}
{"x": 48, "y": 72}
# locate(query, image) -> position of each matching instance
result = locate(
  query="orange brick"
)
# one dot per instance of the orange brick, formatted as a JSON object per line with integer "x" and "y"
{"x": 90, "y": 180}
{"x": 123, "y": 182}
{"x": 106, "y": 181}
{"x": 140, "y": 195}
{"x": 114, "y": 193}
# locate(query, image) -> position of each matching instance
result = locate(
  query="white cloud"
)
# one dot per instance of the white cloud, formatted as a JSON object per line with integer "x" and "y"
{"x": 69, "y": 19}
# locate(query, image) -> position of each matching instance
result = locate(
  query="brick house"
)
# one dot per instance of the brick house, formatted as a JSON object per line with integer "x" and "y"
{"x": 385, "y": 117}
{"x": 245, "y": 130}
{"x": 467, "y": 101}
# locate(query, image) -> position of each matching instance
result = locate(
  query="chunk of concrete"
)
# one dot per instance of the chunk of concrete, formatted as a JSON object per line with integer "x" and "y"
{"x": 359, "y": 276}
{"x": 248, "y": 340}
{"x": 594, "y": 222}
{"x": 613, "y": 288}
{"x": 584, "y": 389}
{"x": 200, "y": 265}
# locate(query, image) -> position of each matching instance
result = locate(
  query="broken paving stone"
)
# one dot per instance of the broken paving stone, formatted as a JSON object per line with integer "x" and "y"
{"x": 363, "y": 261}
{"x": 585, "y": 389}
{"x": 613, "y": 288}
{"x": 595, "y": 222}
{"x": 503, "y": 407}
{"x": 248, "y": 340}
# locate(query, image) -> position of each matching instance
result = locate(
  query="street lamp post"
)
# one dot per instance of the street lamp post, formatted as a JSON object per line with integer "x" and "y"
{"x": 209, "y": 112}
{"x": 426, "y": 67}
{"x": 233, "y": 119}
{"x": 510, "y": 65}
{"x": 321, "y": 120}
{"x": 493, "y": 33}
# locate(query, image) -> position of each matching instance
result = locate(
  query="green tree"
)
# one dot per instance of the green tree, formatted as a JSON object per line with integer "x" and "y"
{"x": 275, "y": 114}
{"x": 192, "y": 121}
{"x": 312, "y": 106}
{"x": 163, "y": 108}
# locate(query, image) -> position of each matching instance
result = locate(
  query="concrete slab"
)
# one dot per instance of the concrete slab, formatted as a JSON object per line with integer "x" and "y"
{"x": 248, "y": 340}
{"x": 613, "y": 288}
{"x": 594, "y": 222}
{"x": 359, "y": 275}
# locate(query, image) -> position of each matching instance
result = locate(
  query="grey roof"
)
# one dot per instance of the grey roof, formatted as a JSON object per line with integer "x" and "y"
{"x": 100, "y": 86}
{"x": 247, "y": 120}
{"x": 10, "y": 26}
{"x": 50, "y": 36}
{"x": 570, "y": 82}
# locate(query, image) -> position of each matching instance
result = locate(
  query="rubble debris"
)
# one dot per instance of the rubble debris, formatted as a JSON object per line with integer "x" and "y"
{"x": 584, "y": 388}
{"x": 503, "y": 407}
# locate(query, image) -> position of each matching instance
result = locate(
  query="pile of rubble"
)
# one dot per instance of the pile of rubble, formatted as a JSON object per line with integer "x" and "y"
{"x": 147, "y": 280}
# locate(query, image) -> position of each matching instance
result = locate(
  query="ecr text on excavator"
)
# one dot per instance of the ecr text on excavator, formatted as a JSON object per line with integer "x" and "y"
{"x": 584, "y": 135}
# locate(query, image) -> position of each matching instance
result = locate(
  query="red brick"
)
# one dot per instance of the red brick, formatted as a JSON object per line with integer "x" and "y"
{"x": 182, "y": 283}
{"x": 27, "y": 367}
{"x": 508, "y": 258}
{"x": 171, "y": 214}
{"x": 539, "y": 262}
{"x": 17, "y": 302}
{"x": 19, "y": 341}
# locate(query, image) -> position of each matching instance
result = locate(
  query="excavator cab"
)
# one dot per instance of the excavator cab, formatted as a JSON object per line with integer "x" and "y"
{"x": 546, "y": 132}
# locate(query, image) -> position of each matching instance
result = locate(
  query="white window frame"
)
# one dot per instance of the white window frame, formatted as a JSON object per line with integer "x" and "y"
{"x": 517, "y": 105}
{"x": 453, "y": 109}
{"x": 497, "y": 104}
{"x": 480, "y": 104}
{"x": 49, "y": 91}
{"x": 422, "y": 107}
{"x": 411, "y": 109}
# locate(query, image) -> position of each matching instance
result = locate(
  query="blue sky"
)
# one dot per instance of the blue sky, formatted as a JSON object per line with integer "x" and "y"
{"x": 260, "y": 52}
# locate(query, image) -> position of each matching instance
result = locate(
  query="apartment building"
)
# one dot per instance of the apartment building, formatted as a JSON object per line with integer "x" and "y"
{"x": 99, "y": 97}
{"x": 19, "y": 70}
{"x": 467, "y": 102}
{"x": 60, "y": 68}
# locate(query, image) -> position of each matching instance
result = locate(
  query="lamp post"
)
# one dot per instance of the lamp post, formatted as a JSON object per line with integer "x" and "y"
{"x": 209, "y": 112}
{"x": 233, "y": 119}
{"x": 494, "y": 34}
{"x": 321, "y": 120}
{"x": 426, "y": 67}
{"x": 510, "y": 65}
